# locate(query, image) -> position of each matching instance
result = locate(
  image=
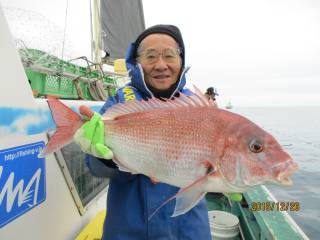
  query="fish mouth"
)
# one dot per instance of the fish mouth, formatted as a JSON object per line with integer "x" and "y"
{"x": 278, "y": 174}
{"x": 285, "y": 181}
{"x": 284, "y": 171}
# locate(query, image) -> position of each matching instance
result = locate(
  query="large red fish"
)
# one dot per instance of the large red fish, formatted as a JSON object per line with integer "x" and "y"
{"x": 185, "y": 142}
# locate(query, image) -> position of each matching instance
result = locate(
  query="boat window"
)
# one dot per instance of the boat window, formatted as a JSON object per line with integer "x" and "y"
{"x": 83, "y": 186}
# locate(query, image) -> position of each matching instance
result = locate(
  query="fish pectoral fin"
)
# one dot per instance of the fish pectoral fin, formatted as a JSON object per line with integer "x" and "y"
{"x": 186, "y": 198}
{"x": 189, "y": 196}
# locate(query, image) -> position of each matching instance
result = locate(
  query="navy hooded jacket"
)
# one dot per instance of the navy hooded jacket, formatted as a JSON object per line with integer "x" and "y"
{"x": 133, "y": 198}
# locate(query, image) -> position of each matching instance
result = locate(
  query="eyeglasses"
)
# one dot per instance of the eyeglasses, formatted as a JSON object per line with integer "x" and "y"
{"x": 169, "y": 55}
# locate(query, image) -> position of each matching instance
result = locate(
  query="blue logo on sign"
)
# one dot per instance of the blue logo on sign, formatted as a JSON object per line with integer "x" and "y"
{"x": 22, "y": 180}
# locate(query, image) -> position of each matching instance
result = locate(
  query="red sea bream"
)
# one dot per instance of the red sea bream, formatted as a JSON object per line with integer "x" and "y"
{"x": 186, "y": 142}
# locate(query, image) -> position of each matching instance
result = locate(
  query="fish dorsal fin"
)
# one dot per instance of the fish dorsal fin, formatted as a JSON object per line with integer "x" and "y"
{"x": 196, "y": 100}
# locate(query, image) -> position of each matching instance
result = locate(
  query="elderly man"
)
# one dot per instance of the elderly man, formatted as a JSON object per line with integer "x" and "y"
{"x": 156, "y": 62}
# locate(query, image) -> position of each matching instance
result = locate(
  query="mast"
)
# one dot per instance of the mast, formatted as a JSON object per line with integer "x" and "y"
{"x": 96, "y": 39}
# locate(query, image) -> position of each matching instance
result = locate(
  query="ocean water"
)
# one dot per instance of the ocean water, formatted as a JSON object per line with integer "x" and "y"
{"x": 298, "y": 130}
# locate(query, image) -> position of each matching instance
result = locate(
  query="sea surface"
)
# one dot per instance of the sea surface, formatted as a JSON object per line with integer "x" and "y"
{"x": 298, "y": 130}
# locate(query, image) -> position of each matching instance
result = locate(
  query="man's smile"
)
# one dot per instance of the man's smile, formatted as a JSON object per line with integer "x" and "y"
{"x": 162, "y": 76}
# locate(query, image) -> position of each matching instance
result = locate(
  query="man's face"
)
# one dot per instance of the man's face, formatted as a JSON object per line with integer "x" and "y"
{"x": 160, "y": 61}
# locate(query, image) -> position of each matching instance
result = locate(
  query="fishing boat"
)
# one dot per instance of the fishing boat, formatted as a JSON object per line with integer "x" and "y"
{"x": 53, "y": 197}
{"x": 56, "y": 197}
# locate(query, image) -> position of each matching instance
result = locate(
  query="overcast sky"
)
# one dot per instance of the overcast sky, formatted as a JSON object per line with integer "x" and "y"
{"x": 254, "y": 52}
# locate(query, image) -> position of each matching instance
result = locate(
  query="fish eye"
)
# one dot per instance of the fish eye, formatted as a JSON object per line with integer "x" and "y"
{"x": 255, "y": 146}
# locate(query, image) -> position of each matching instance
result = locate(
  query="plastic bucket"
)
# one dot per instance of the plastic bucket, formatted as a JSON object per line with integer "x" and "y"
{"x": 223, "y": 225}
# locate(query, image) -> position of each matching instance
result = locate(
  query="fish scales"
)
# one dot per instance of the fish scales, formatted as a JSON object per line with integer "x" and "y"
{"x": 164, "y": 143}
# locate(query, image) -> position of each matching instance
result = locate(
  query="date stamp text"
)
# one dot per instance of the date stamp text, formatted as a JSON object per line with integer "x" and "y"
{"x": 274, "y": 206}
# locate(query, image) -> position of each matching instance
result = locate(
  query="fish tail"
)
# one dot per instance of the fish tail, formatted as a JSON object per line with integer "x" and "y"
{"x": 67, "y": 123}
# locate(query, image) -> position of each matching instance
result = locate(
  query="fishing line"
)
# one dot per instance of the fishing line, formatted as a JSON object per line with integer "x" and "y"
{"x": 65, "y": 28}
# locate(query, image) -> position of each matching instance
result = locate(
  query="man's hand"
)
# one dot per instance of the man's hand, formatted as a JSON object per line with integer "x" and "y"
{"x": 90, "y": 138}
